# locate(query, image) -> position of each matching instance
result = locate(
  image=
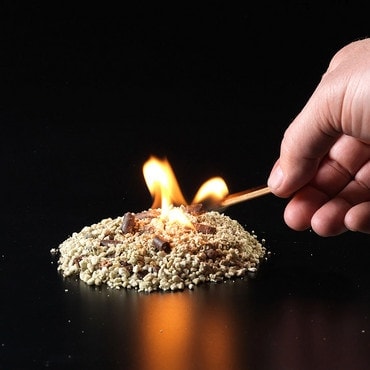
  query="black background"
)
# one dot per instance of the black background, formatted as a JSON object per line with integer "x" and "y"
{"x": 89, "y": 92}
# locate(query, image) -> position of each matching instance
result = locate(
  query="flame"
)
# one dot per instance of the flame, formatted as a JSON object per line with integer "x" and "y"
{"x": 162, "y": 184}
{"x": 165, "y": 190}
{"x": 215, "y": 188}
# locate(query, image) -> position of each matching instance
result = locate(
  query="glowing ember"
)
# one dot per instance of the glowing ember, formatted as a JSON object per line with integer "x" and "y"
{"x": 177, "y": 215}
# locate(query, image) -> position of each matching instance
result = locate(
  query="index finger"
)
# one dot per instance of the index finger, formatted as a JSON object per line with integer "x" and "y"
{"x": 306, "y": 141}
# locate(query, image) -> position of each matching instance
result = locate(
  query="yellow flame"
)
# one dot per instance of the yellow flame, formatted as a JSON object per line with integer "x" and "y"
{"x": 165, "y": 190}
{"x": 162, "y": 183}
{"x": 215, "y": 188}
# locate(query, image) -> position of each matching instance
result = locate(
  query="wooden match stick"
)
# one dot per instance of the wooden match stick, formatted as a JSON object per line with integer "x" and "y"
{"x": 245, "y": 195}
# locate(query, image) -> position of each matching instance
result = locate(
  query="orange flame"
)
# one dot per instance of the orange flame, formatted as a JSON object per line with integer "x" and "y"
{"x": 166, "y": 192}
{"x": 215, "y": 189}
{"x": 162, "y": 183}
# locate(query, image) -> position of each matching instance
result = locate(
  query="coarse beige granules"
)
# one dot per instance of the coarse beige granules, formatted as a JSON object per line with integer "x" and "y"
{"x": 148, "y": 252}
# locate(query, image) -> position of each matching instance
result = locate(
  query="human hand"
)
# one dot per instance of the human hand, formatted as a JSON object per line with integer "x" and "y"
{"x": 324, "y": 163}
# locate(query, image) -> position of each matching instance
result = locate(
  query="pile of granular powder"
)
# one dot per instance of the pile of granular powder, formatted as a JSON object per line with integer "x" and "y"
{"x": 147, "y": 251}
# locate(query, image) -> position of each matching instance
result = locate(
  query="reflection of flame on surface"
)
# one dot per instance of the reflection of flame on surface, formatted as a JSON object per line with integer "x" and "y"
{"x": 166, "y": 191}
{"x": 171, "y": 335}
{"x": 165, "y": 335}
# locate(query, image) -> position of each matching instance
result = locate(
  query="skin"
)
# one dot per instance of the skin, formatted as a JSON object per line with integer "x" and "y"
{"x": 324, "y": 163}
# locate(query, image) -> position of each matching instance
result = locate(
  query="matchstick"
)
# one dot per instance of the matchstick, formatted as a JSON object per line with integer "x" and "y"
{"x": 245, "y": 195}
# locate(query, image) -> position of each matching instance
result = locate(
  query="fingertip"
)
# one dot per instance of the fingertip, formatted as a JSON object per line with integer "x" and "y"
{"x": 295, "y": 218}
{"x": 302, "y": 207}
{"x": 328, "y": 220}
{"x": 275, "y": 179}
{"x": 357, "y": 218}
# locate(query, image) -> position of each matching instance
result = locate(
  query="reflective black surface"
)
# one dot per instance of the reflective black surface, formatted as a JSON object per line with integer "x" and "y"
{"x": 306, "y": 307}
{"x": 90, "y": 95}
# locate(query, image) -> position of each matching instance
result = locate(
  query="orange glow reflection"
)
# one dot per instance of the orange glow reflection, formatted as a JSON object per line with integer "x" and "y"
{"x": 171, "y": 334}
{"x": 165, "y": 333}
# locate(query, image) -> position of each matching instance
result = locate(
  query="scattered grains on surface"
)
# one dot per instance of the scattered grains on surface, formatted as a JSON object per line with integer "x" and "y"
{"x": 148, "y": 251}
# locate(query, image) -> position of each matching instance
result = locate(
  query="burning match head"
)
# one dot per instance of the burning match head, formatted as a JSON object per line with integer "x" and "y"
{"x": 212, "y": 204}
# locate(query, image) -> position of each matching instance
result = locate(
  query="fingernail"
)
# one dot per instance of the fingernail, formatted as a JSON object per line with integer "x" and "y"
{"x": 276, "y": 178}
